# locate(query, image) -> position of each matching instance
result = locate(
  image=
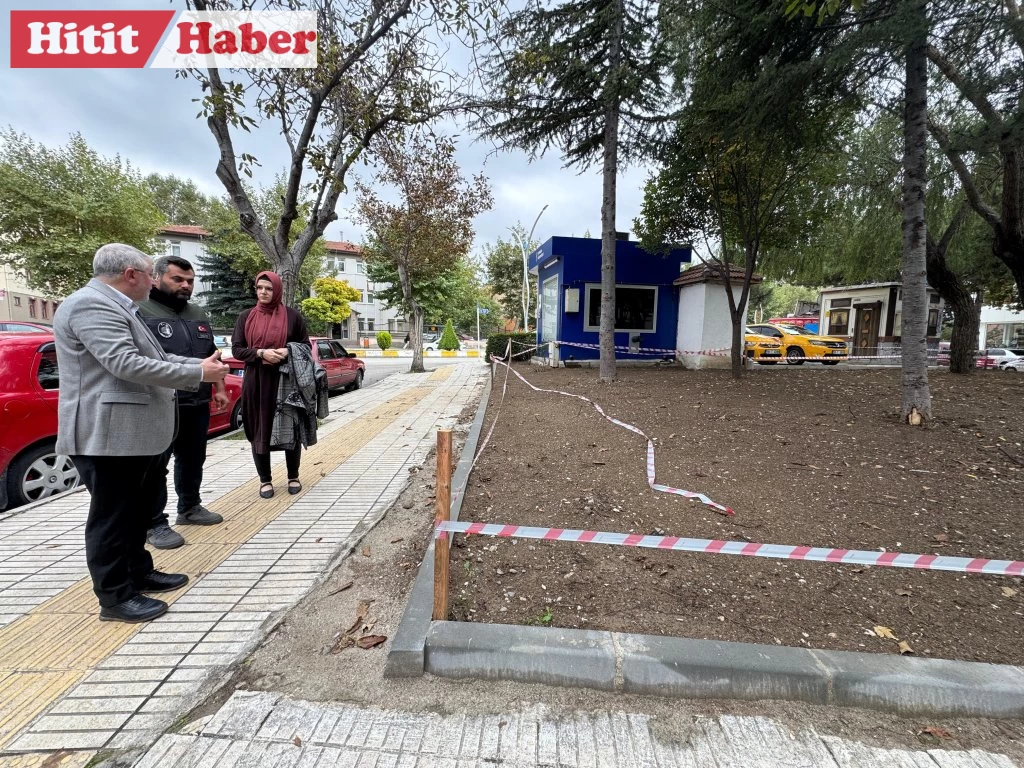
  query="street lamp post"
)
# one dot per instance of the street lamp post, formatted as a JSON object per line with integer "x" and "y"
{"x": 526, "y": 268}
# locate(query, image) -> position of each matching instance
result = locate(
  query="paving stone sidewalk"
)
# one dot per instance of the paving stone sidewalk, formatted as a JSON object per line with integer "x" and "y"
{"x": 258, "y": 730}
{"x": 70, "y": 682}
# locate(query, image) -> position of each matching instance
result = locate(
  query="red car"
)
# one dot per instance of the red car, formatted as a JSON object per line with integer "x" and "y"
{"x": 29, "y": 467}
{"x": 344, "y": 370}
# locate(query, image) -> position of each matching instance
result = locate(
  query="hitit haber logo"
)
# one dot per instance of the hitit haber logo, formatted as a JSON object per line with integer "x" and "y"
{"x": 128, "y": 39}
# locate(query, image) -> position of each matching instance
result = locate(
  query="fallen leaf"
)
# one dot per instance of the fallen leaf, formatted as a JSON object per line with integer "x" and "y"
{"x": 400, "y": 538}
{"x": 366, "y": 551}
{"x": 941, "y": 537}
{"x": 297, "y": 741}
{"x": 905, "y": 648}
{"x": 370, "y": 641}
{"x": 904, "y": 593}
{"x": 939, "y": 733}
{"x": 319, "y": 539}
{"x": 884, "y": 632}
{"x": 1008, "y": 591}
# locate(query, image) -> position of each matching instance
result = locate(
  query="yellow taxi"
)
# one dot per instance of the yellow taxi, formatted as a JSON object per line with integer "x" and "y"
{"x": 763, "y": 350}
{"x": 799, "y": 344}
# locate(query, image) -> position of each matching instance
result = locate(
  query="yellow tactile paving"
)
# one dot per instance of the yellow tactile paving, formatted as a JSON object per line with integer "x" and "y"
{"x": 62, "y": 759}
{"x": 46, "y": 652}
{"x": 21, "y": 692}
{"x": 442, "y": 373}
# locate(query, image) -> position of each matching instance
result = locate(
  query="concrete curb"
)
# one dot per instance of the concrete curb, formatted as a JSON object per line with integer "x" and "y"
{"x": 407, "y": 649}
{"x": 713, "y": 669}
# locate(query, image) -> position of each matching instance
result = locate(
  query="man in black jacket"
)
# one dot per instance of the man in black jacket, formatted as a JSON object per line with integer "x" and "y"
{"x": 183, "y": 329}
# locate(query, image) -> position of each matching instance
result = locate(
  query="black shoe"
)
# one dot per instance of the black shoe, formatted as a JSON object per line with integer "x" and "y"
{"x": 267, "y": 491}
{"x": 134, "y": 610}
{"x": 294, "y": 487}
{"x": 162, "y": 582}
{"x": 198, "y": 515}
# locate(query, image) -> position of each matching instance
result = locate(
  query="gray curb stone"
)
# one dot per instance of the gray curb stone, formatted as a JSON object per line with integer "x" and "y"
{"x": 406, "y": 654}
{"x": 527, "y": 654}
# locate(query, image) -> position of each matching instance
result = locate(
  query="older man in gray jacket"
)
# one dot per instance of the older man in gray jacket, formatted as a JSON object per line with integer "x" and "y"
{"x": 116, "y": 416}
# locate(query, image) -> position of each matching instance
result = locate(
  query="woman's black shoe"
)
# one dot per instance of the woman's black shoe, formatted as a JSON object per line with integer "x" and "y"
{"x": 294, "y": 486}
{"x": 134, "y": 610}
{"x": 158, "y": 581}
{"x": 266, "y": 491}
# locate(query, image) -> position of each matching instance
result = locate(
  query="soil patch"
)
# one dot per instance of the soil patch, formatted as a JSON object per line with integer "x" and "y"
{"x": 805, "y": 456}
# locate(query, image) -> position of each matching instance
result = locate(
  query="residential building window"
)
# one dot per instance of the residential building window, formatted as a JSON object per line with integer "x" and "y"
{"x": 370, "y": 297}
{"x": 839, "y": 322}
{"x": 933, "y": 322}
{"x": 175, "y": 248}
{"x": 17, "y": 301}
{"x": 341, "y": 264}
{"x": 933, "y": 298}
{"x": 635, "y": 307}
{"x": 361, "y": 267}
{"x": 362, "y": 324}
{"x": 31, "y": 307}
{"x": 837, "y": 303}
{"x": 369, "y": 326}
{"x": 44, "y": 308}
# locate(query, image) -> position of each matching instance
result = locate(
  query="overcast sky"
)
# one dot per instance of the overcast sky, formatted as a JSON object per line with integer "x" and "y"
{"x": 147, "y": 116}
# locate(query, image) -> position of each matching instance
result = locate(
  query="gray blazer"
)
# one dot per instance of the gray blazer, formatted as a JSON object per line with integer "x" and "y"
{"x": 116, "y": 383}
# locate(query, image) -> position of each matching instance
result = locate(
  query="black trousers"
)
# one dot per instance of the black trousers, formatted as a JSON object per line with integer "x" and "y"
{"x": 124, "y": 492}
{"x": 189, "y": 451}
{"x": 291, "y": 460}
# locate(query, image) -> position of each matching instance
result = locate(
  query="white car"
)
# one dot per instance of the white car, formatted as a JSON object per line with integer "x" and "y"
{"x": 430, "y": 341}
{"x": 1014, "y": 362}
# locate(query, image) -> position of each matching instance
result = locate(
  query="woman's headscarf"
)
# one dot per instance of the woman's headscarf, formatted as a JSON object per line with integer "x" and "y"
{"x": 266, "y": 327}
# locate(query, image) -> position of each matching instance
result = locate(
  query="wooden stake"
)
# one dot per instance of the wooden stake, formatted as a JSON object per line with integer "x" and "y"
{"x": 443, "y": 509}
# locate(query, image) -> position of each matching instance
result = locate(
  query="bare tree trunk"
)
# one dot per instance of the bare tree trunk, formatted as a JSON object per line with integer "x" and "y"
{"x": 738, "y": 346}
{"x": 966, "y": 315}
{"x": 606, "y": 339}
{"x": 416, "y": 329}
{"x": 916, "y": 400}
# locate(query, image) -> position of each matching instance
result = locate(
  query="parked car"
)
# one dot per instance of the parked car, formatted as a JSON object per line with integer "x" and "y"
{"x": 345, "y": 370}
{"x": 431, "y": 340}
{"x": 942, "y": 358}
{"x": 798, "y": 343}
{"x": 30, "y": 469}
{"x": 763, "y": 350}
{"x": 17, "y": 326}
{"x": 997, "y": 357}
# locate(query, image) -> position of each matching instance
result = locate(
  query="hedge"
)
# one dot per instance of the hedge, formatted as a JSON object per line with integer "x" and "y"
{"x": 522, "y": 345}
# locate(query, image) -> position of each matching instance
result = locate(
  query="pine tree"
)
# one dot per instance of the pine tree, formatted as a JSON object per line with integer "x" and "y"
{"x": 231, "y": 291}
{"x": 449, "y": 340}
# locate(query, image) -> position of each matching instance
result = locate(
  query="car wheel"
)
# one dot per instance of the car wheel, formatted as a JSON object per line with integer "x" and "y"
{"x": 38, "y": 473}
{"x": 795, "y": 356}
{"x": 357, "y": 383}
{"x": 236, "y": 416}
{"x": 1010, "y": 368}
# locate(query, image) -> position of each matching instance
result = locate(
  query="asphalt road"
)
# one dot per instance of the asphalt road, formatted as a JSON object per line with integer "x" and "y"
{"x": 378, "y": 368}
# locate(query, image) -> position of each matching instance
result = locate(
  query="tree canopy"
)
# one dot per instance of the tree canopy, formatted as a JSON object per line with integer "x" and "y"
{"x": 58, "y": 205}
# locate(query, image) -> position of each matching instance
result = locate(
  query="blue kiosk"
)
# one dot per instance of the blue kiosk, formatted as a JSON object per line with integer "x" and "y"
{"x": 568, "y": 271}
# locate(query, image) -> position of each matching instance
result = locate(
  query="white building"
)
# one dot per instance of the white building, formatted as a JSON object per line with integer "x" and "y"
{"x": 1001, "y": 328}
{"x": 870, "y": 316}
{"x": 187, "y": 242}
{"x": 345, "y": 261}
{"x": 19, "y": 303}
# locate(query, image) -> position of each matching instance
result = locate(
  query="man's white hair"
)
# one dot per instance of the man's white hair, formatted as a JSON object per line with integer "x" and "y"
{"x": 114, "y": 258}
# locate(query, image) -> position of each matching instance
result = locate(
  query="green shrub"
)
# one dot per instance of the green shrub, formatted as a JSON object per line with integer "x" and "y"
{"x": 522, "y": 344}
{"x": 383, "y": 340}
{"x": 449, "y": 341}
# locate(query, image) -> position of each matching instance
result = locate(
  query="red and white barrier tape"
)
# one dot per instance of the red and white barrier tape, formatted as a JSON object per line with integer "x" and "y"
{"x": 722, "y": 510}
{"x": 745, "y": 548}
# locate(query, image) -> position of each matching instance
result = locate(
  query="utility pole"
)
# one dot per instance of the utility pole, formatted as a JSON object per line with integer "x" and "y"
{"x": 526, "y": 268}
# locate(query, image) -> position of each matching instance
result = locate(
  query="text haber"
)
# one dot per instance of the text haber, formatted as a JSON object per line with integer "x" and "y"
{"x": 195, "y": 38}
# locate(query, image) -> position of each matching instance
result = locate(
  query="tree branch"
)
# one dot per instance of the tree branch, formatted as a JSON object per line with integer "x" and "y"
{"x": 984, "y": 210}
{"x": 967, "y": 89}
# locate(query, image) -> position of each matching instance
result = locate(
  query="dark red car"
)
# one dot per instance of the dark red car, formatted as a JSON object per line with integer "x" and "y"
{"x": 344, "y": 370}
{"x": 30, "y": 469}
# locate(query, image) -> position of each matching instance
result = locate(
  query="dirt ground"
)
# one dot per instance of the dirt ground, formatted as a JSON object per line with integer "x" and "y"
{"x": 805, "y": 456}
{"x": 303, "y": 658}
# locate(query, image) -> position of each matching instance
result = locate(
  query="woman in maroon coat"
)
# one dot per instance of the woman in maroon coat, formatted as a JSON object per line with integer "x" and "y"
{"x": 260, "y": 341}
